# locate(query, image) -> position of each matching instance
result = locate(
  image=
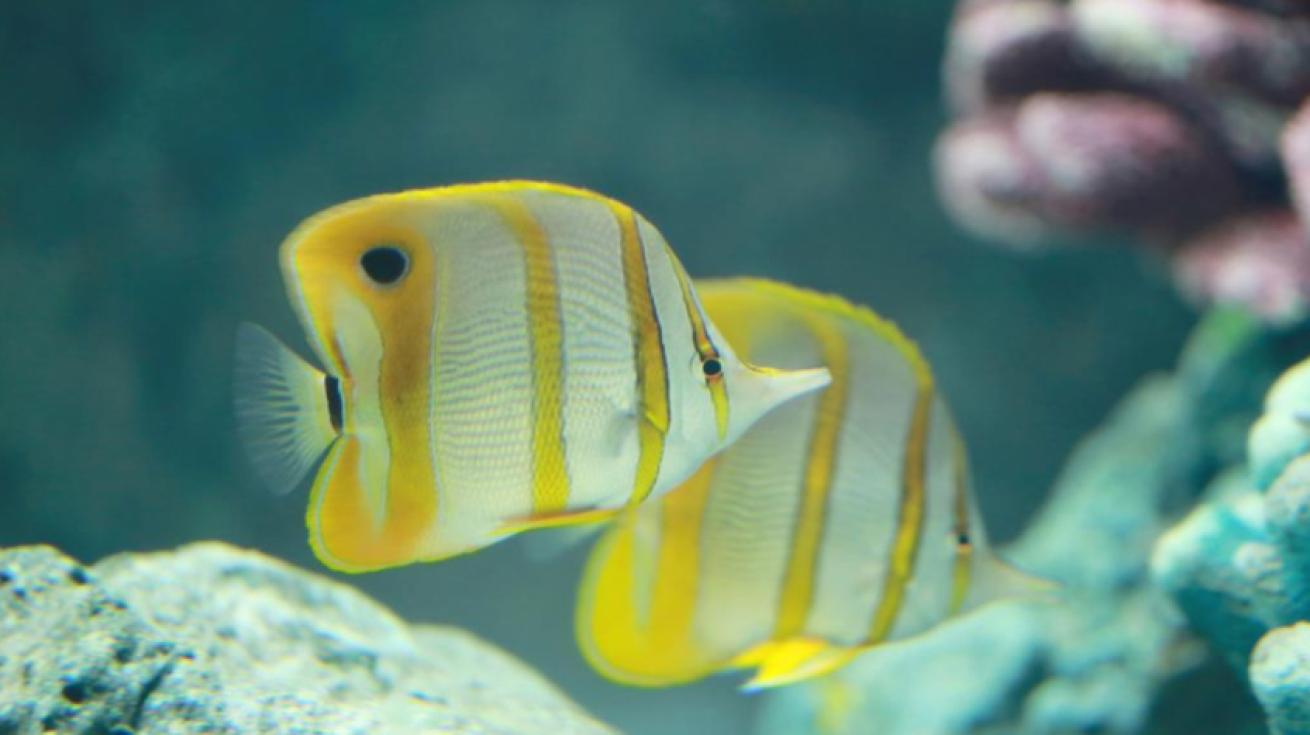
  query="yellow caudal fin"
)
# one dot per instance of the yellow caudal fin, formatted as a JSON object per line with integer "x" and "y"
{"x": 282, "y": 408}
{"x": 778, "y": 663}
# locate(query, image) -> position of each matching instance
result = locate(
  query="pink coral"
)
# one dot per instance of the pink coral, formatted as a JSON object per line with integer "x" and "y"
{"x": 1261, "y": 260}
{"x": 1166, "y": 120}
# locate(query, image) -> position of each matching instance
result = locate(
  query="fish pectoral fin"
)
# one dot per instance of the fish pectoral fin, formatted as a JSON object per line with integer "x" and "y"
{"x": 785, "y": 662}
{"x": 282, "y": 409}
{"x": 555, "y": 520}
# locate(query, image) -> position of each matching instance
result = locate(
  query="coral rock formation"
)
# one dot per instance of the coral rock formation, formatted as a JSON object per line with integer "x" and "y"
{"x": 1171, "y": 121}
{"x": 1239, "y": 564}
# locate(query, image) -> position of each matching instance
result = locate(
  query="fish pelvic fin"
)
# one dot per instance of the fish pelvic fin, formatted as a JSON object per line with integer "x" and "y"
{"x": 283, "y": 411}
{"x": 778, "y": 663}
{"x": 754, "y": 391}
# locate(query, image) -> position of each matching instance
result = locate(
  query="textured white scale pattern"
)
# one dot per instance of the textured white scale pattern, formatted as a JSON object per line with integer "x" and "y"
{"x": 745, "y": 542}
{"x": 482, "y": 413}
{"x": 600, "y": 379}
{"x": 928, "y": 597}
{"x": 645, "y": 556}
{"x": 865, "y": 496}
{"x": 691, "y": 411}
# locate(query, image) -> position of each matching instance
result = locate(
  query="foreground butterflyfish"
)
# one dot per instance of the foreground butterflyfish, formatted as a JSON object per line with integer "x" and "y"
{"x": 498, "y": 357}
{"x": 839, "y": 521}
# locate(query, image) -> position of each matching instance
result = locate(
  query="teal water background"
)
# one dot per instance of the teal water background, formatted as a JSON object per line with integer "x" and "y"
{"x": 154, "y": 154}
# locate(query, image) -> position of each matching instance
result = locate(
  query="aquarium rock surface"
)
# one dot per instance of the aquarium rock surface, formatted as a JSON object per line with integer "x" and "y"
{"x": 1239, "y": 564}
{"x": 214, "y": 639}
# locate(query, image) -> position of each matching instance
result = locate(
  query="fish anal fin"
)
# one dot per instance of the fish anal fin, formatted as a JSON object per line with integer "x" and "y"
{"x": 282, "y": 409}
{"x": 785, "y": 662}
{"x": 556, "y": 520}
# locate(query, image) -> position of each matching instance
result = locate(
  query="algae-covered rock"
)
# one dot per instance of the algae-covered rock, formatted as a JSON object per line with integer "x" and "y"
{"x": 212, "y": 639}
{"x": 1239, "y": 564}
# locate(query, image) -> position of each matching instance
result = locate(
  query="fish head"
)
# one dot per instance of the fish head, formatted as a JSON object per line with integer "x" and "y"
{"x": 361, "y": 277}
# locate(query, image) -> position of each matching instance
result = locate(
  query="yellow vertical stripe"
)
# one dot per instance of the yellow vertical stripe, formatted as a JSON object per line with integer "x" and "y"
{"x": 705, "y": 348}
{"x": 404, "y": 384}
{"x": 550, "y": 482}
{"x": 963, "y": 544}
{"x": 651, "y": 643}
{"x": 909, "y": 528}
{"x": 807, "y": 533}
{"x": 648, "y": 356}
{"x": 679, "y": 564}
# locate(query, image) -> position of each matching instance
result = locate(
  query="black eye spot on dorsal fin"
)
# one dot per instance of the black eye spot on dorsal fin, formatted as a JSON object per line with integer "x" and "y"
{"x": 336, "y": 407}
{"x": 384, "y": 264}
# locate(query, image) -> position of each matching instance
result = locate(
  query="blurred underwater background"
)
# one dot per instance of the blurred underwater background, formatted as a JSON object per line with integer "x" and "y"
{"x": 1133, "y": 158}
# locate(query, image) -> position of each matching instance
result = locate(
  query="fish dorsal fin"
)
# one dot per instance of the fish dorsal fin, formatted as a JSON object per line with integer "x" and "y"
{"x": 282, "y": 409}
{"x": 840, "y": 307}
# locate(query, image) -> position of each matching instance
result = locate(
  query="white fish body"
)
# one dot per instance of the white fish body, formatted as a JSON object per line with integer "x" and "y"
{"x": 498, "y": 357}
{"x": 840, "y": 520}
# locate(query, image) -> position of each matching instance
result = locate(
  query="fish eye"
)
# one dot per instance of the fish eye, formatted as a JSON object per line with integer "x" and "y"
{"x": 712, "y": 368}
{"x": 384, "y": 264}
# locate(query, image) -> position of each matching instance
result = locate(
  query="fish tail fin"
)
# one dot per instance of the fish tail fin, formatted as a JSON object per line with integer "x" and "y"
{"x": 996, "y": 579}
{"x": 282, "y": 411}
{"x": 764, "y": 389}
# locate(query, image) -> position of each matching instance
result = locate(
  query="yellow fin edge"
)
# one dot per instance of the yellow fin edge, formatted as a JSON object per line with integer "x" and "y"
{"x": 778, "y": 663}
{"x": 556, "y": 520}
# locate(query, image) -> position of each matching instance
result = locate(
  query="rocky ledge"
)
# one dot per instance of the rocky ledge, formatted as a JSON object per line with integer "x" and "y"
{"x": 214, "y": 639}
